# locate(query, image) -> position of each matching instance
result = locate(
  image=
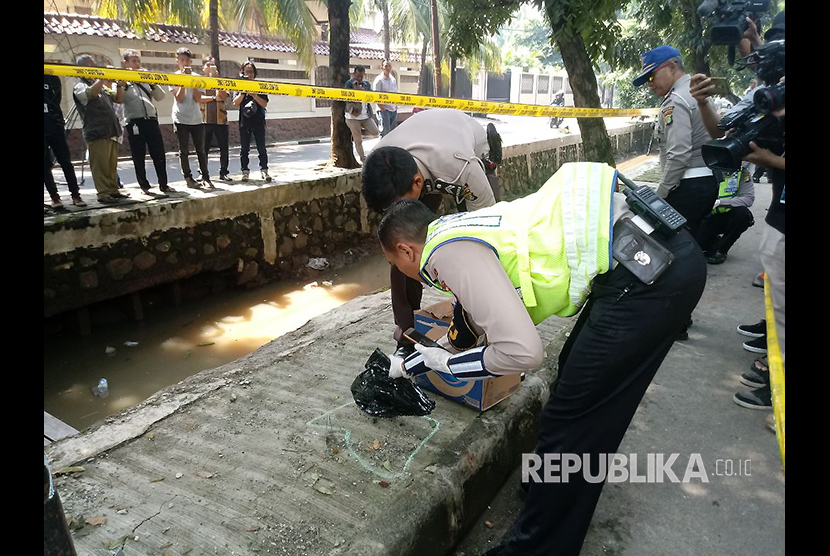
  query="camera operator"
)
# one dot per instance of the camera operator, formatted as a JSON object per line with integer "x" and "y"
{"x": 773, "y": 239}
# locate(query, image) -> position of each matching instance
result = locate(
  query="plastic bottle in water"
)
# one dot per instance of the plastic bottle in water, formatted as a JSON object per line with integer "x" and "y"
{"x": 102, "y": 390}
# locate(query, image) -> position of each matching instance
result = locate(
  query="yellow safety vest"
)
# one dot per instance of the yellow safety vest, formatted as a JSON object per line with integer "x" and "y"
{"x": 551, "y": 243}
{"x": 728, "y": 189}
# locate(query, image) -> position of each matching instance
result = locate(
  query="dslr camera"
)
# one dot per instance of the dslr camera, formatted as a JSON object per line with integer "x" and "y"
{"x": 755, "y": 122}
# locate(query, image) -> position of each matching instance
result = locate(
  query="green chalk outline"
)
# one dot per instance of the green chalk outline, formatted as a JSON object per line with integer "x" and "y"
{"x": 366, "y": 465}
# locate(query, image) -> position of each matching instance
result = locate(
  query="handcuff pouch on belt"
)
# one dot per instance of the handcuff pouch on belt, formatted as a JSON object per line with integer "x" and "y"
{"x": 640, "y": 253}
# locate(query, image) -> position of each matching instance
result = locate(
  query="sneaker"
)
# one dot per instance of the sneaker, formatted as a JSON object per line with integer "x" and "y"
{"x": 207, "y": 183}
{"x": 755, "y": 378}
{"x": 245, "y": 175}
{"x": 754, "y": 330}
{"x": 717, "y": 258}
{"x": 225, "y": 177}
{"x": 166, "y": 189}
{"x": 193, "y": 184}
{"x": 265, "y": 175}
{"x": 57, "y": 203}
{"x": 107, "y": 199}
{"x": 78, "y": 202}
{"x": 760, "y": 398}
{"x": 758, "y": 281}
{"x": 758, "y": 345}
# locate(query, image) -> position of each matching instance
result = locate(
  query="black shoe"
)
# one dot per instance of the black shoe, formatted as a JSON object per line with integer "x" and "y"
{"x": 145, "y": 189}
{"x": 758, "y": 345}
{"x": 166, "y": 189}
{"x": 405, "y": 350}
{"x": 760, "y": 398}
{"x": 107, "y": 200}
{"x": 193, "y": 184}
{"x": 225, "y": 177}
{"x": 754, "y": 330}
{"x": 717, "y": 258}
{"x": 755, "y": 378}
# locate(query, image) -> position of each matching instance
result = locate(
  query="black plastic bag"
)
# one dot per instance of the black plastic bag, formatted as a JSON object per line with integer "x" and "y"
{"x": 380, "y": 396}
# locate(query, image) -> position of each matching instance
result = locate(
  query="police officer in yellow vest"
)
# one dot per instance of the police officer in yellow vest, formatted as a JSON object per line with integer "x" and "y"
{"x": 686, "y": 183}
{"x": 730, "y": 216}
{"x": 512, "y": 265}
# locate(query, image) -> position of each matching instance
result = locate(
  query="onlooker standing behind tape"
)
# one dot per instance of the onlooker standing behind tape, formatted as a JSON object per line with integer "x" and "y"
{"x": 385, "y": 83}
{"x": 252, "y": 121}
{"x": 215, "y": 118}
{"x": 54, "y": 138}
{"x": 187, "y": 122}
{"x": 101, "y": 129}
{"x": 359, "y": 115}
{"x": 143, "y": 132}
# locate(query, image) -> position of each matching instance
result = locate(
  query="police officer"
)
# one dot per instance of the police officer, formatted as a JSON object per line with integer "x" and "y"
{"x": 686, "y": 183}
{"x": 431, "y": 155}
{"x": 730, "y": 217}
{"x": 510, "y": 267}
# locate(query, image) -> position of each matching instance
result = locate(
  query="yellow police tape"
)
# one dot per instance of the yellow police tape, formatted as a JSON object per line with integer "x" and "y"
{"x": 776, "y": 369}
{"x": 313, "y": 91}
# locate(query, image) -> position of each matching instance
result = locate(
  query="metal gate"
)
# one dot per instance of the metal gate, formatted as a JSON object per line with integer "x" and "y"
{"x": 498, "y": 86}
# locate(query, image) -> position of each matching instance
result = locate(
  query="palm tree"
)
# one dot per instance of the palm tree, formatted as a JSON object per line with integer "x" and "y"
{"x": 288, "y": 17}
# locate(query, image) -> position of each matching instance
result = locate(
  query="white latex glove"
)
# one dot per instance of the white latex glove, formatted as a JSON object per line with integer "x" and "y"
{"x": 395, "y": 366}
{"x": 717, "y": 203}
{"x": 435, "y": 358}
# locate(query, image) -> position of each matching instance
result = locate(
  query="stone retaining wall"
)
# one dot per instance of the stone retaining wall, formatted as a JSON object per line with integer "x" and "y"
{"x": 261, "y": 234}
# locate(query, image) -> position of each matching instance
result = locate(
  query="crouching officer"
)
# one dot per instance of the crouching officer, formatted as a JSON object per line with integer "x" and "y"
{"x": 430, "y": 155}
{"x": 513, "y": 265}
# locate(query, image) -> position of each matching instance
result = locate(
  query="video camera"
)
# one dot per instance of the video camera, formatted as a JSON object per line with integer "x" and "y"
{"x": 753, "y": 123}
{"x": 731, "y": 16}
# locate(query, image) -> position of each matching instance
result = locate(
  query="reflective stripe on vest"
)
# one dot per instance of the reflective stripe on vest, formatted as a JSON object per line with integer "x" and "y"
{"x": 728, "y": 190}
{"x": 550, "y": 243}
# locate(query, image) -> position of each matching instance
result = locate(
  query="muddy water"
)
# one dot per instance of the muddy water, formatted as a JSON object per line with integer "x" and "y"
{"x": 173, "y": 343}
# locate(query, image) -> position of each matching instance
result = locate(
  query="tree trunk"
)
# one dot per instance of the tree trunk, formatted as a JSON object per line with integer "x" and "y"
{"x": 422, "y": 81}
{"x": 342, "y": 153}
{"x": 596, "y": 145}
{"x": 452, "y": 77}
{"x": 436, "y": 58}
{"x": 214, "y": 30}
{"x": 385, "y": 7}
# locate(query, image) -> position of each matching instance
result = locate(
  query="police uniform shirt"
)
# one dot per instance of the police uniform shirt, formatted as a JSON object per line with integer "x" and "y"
{"x": 447, "y": 145}
{"x": 680, "y": 134}
{"x": 473, "y": 273}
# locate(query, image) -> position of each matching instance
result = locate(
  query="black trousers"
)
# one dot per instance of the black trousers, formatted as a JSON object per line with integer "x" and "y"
{"x": 729, "y": 225}
{"x": 195, "y": 132}
{"x": 221, "y": 133}
{"x": 245, "y": 133}
{"x": 56, "y": 142}
{"x": 144, "y": 135}
{"x": 694, "y": 199}
{"x": 622, "y": 336}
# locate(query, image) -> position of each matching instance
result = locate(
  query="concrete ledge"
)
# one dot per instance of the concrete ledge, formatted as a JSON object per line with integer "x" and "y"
{"x": 270, "y": 451}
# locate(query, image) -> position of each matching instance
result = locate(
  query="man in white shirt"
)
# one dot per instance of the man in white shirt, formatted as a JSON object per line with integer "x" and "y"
{"x": 385, "y": 83}
{"x": 187, "y": 122}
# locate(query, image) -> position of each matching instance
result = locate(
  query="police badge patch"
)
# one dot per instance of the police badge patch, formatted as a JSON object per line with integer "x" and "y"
{"x": 667, "y": 114}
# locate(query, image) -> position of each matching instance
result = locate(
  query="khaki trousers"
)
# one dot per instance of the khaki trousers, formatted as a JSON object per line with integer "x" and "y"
{"x": 358, "y": 129}
{"x": 103, "y": 164}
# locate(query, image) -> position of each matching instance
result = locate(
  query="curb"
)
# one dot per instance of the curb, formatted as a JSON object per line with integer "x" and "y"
{"x": 469, "y": 474}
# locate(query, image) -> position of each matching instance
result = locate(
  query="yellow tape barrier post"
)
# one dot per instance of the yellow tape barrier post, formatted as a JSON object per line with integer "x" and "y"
{"x": 776, "y": 369}
{"x": 299, "y": 90}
